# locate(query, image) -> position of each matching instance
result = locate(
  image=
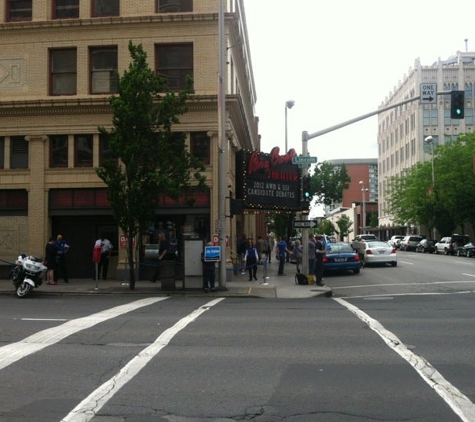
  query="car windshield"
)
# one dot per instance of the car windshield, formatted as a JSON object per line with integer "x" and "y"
{"x": 378, "y": 245}
{"x": 340, "y": 248}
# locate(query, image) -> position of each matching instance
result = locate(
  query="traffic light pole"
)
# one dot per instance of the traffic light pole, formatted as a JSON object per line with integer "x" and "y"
{"x": 305, "y": 216}
{"x": 306, "y": 137}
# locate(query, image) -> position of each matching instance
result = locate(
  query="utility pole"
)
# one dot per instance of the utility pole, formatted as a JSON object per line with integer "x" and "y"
{"x": 221, "y": 226}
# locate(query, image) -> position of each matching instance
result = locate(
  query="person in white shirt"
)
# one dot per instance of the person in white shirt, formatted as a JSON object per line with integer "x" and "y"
{"x": 106, "y": 247}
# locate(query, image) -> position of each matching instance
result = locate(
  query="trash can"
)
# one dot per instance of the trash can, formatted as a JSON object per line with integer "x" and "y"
{"x": 167, "y": 275}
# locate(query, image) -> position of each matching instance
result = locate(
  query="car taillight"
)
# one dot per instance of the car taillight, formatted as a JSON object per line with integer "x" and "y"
{"x": 369, "y": 252}
{"x": 393, "y": 250}
{"x": 357, "y": 257}
{"x": 325, "y": 259}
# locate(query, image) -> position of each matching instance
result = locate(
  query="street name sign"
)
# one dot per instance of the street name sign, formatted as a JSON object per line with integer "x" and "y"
{"x": 304, "y": 224}
{"x": 428, "y": 93}
{"x": 303, "y": 160}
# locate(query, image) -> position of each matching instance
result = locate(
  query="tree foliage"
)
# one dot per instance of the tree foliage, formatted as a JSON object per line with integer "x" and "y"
{"x": 327, "y": 183}
{"x": 450, "y": 202}
{"x": 344, "y": 225}
{"x": 151, "y": 159}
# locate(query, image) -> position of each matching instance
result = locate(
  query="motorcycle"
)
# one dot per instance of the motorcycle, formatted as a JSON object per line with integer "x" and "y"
{"x": 27, "y": 274}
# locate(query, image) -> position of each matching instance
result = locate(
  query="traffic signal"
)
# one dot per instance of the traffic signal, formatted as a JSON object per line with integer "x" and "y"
{"x": 457, "y": 104}
{"x": 306, "y": 195}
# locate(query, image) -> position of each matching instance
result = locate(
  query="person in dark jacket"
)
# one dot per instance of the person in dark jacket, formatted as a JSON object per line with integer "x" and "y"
{"x": 209, "y": 273}
{"x": 251, "y": 258}
{"x": 50, "y": 260}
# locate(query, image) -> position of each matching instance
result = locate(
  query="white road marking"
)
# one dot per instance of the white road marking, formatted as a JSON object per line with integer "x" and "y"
{"x": 13, "y": 352}
{"x": 459, "y": 403}
{"x": 43, "y": 319}
{"x": 405, "y": 284}
{"x": 91, "y": 405}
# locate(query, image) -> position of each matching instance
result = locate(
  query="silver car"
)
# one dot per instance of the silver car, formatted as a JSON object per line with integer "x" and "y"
{"x": 378, "y": 252}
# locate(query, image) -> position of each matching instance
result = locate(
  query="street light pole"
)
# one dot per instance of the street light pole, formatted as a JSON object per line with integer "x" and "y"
{"x": 363, "y": 222}
{"x": 430, "y": 140}
{"x": 288, "y": 104}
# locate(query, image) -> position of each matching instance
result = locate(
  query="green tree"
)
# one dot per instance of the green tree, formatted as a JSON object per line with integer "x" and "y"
{"x": 327, "y": 183}
{"x": 344, "y": 225}
{"x": 283, "y": 225}
{"x": 151, "y": 159}
{"x": 326, "y": 227}
{"x": 450, "y": 202}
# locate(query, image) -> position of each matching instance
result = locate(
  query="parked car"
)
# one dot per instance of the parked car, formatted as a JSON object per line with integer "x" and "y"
{"x": 448, "y": 245}
{"x": 378, "y": 252}
{"x": 362, "y": 237}
{"x": 395, "y": 240}
{"x": 467, "y": 250}
{"x": 426, "y": 245}
{"x": 341, "y": 257}
{"x": 410, "y": 242}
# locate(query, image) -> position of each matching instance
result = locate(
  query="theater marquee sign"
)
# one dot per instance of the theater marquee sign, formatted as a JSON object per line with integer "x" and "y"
{"x": 268, "y": 181}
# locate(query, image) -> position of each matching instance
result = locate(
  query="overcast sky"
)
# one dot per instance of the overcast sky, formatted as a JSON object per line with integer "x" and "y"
{"x": 339, "y": 60}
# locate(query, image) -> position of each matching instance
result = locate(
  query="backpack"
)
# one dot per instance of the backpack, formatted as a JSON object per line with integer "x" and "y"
{"x": 301, "y": 279}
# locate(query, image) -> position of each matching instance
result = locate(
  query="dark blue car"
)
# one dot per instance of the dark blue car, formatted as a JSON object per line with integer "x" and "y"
{"x": 341, "y": 257}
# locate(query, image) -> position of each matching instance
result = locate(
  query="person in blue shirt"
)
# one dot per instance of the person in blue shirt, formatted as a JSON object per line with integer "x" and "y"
{"x": 282, "y": 252}
{"x": 62, "y": 249}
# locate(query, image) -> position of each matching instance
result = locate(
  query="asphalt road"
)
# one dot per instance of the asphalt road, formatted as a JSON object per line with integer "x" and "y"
{"x": 391, "y": 344}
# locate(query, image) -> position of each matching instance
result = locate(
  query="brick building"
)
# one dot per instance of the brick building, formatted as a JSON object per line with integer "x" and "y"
{"x": 57, "y": 71}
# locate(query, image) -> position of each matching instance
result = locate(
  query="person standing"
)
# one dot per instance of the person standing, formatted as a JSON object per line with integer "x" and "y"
{"x": 106, "y": 247}
{"x": 298, "y": 254}
{"x": 261, "y": 248}
{"x": 61, "y": 267}
{"x": 282, "y": 252}
{"x": 209, "y": 273}
{"x": 251, "y": 257}
{"x": 320, "y": 251}
{"x": 163, "y": 248}
{"x": 311, "y": 254}
{"x": 241, "y": 250}
{"x": 50, "y": 260}
{"x": 270, "y": 247}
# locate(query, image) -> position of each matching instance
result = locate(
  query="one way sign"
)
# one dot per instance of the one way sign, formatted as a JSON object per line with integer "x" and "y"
{"x": 428, "y": 93}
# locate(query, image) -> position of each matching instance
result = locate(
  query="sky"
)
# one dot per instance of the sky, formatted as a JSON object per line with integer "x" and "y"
{"x": 340, "y": 60}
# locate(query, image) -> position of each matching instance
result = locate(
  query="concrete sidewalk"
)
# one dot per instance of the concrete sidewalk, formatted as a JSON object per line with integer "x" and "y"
{"x": 270, "y": 285}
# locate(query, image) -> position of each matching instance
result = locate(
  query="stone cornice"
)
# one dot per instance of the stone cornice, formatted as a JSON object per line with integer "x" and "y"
{"x": 112, "y": 20}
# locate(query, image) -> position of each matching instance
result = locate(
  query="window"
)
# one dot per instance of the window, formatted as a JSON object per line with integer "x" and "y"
{"x": 83, "y": 150}
{"x": 174, "y": 62}
{"x": 2, "y": 152}
{"x": 430, "y": 117}
{"x": 469, "y": 116}
{"x": 65, "y": 9}
{"x": 174, "y": 6}
{"x": 105, "y": 152}
{"x": 18, "y": 152}
{"x": 13, "y": 202}
{"x": 105, "y": 8}
{"x": 19, "y": 10}
{"x": 103, "y": 62}
{"x": 58, "y": 147}
{"x": 63, "y": 72}
{"x": 200, "y": 146}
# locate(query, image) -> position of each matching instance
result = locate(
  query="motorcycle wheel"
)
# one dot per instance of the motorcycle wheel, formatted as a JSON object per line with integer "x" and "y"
{"x": 23, "y": 290}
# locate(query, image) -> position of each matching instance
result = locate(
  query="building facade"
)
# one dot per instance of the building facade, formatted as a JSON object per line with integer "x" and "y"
{"x": 359, "y": 201}
{"x": 402, "y": 130}
{"x": 58, "y": 65}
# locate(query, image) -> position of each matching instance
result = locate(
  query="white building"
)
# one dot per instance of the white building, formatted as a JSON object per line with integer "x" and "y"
{"x": 402, "y": 130}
